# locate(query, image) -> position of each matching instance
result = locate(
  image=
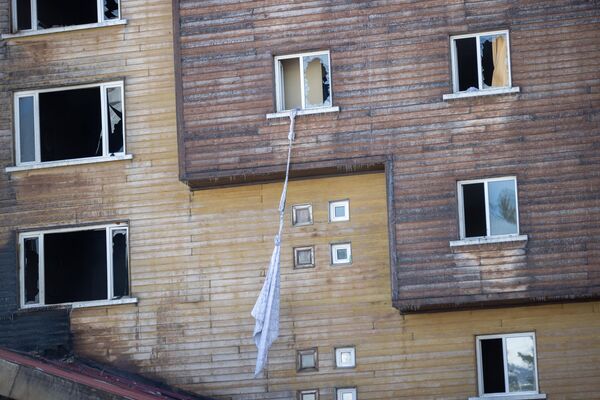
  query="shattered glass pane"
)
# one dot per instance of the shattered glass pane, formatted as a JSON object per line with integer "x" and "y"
{"x": 120, "y": 265}
{"x": 115, "y": 120}
{"x": 26, "y": 129}
{"x": 520, "y": 359}
{"x": 503, "y": 207}
{"x": 111, "y": 9}
{"x": 31, "y": 270}
{"x": 317, "y": 91}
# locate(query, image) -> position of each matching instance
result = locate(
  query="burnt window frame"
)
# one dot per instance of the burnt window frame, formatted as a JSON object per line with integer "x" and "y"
{"x": 461, "y": 209}
{"x": 297, "y": 250}
{"x": 535, "y": 394}
{"x": 39, "y": 235}
{"x": 454, "y": 62}
{"x": 280, "y": 87}
{"x": 106, "y": 155}
{"x": 33, "y": 18}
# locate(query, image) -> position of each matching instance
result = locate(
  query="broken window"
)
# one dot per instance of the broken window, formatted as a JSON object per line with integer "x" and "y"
{"x": 488, "y": 207}
{"x": 72, "y": 266}
{"x": 507, "y": 364}
{"x": 480, "y": 61}
{"x": 303, "y": 81}
{"x": 42, "y": 14}
{"x": 68, "y": 124}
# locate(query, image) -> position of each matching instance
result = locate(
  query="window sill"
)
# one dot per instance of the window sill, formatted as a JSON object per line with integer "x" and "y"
{"x": 65, "y": 163}
{"x": 83, "y": 304}
{"x": 63, "y": 29}
{"x": 487, "y": 92}
{"x": 486, "y": 240}
{"x": 309, "y": 111}
{"x": 540, "y": 396}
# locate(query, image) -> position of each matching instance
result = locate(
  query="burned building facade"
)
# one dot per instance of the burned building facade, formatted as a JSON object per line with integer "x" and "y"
{"x": 442, "y": 233}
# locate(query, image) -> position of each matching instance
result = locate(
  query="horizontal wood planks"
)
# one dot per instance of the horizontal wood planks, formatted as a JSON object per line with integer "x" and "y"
{"x": 390, "y": 68}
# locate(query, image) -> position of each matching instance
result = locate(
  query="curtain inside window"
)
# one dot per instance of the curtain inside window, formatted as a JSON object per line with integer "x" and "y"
{"x": 500, "y": 76}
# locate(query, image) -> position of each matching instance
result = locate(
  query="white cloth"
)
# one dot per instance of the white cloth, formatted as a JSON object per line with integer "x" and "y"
{"x": 266, "y": 309}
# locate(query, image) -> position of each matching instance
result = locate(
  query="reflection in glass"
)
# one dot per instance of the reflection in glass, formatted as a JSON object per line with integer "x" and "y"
{"x": 316, "y": 81}
{"x": 503, "y": 207}
{"x": 26, "y": 129}
{"x": 520, "y": 360}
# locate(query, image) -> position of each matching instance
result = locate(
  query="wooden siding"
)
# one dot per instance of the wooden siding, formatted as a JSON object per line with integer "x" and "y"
{"x": 390, "y": 68}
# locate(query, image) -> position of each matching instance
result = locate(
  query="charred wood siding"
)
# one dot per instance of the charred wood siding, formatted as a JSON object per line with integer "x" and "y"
{"x": 390, "y": 68}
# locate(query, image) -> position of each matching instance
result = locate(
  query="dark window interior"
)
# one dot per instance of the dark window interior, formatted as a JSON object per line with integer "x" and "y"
{"x": 492, "y": 365}
{"x": 32, "y": 260}
{"x": 75, "y": 266}
{"x": 474, "y": 210}
{"x": 23, "y": 14}
{"x": 120, "y": 268}
{"x": 56, "y": 13}
{"x": 487, "y": 62}
{"x": 111, "y": 9}
{"x": 70, "y": 124}
{"x": 326, "y": 92}
{"x": 466, "y": 59}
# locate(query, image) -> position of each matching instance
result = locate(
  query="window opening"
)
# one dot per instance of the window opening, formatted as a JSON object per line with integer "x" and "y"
{"x": 27, "y": 129}
{"x": 304, "y": 257}
{"x": 480, "y": 61}
{"x": 507, "y": 364}
{"x": 346, "y": 394}
{"x": 339, "y": 211}
{"x": 341, "y": 253}
{"x": 31, "y": 270}
{"x": 120, "y": 263}
{"x": 303, "y": 81}
{"x": 345, "y": 357}
{"x": 307, "y": 360}
{"x": 115, "y": 120}
{"x": 302, "y": 215}
{"x": 312, "y": 394}
{"x": 488, "y": 207}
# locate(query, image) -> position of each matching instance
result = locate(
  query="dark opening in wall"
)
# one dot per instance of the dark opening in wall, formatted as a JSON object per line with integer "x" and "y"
{"x": 120, "y": 266}
{"x": 474, "y": 210}
{"x": 66, "y": 12}
{"x": 32, "y": 262}
{"x": 487, "y": 62}
{"x": 492, "y": 364}
{"x": 75, "y": 266}
{"x": 24, "y": 14}
{"x": 70, "y": 124}
{"x": 111, "y": 9}
{"x": 466, "y": 58}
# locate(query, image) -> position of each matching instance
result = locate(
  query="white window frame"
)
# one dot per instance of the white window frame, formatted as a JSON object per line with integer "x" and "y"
{"x": 534, "y": 394}
{"x": 454, "y": 64}
{"x": 295, "y": 209}
{"x": 280, "y": 86}
{"x": 312, "y": 257}
{"x": 39, "y": 235}
{"x": 339, "y": 393}
{"x": 461, "y": 209}
{"x": 36, "y": 115}
{"x": 338, "y": 203}
{"x": 333, "y": 250}
{"x": 338, "y": 357}
{"x": 34, "y": 28}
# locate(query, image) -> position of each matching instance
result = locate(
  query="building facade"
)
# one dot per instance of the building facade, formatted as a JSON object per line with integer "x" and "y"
{"x": 442, "y": 234}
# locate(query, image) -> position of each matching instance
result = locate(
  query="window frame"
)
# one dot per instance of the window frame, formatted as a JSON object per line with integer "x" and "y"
{"x": 333, "y": 253}
{"x": 33, "y": 17}
{"x": 39, "y": 235}
{"x": 280, "y": 86}
{"x": 454, "y": 65}
{"x": 339, "y": 392}
{"x": 314, "y": 392}
{"x": 338, "y": 356}
{"x": 295, "y": 209}
{"x": 336, "y": 203}
{"x": 504, "y": 336}
{"x": 314, "y": 352}
{"x": 312, "y": 257}
{"x": 37, "y": 130}
{"x": 461, "y": 209}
